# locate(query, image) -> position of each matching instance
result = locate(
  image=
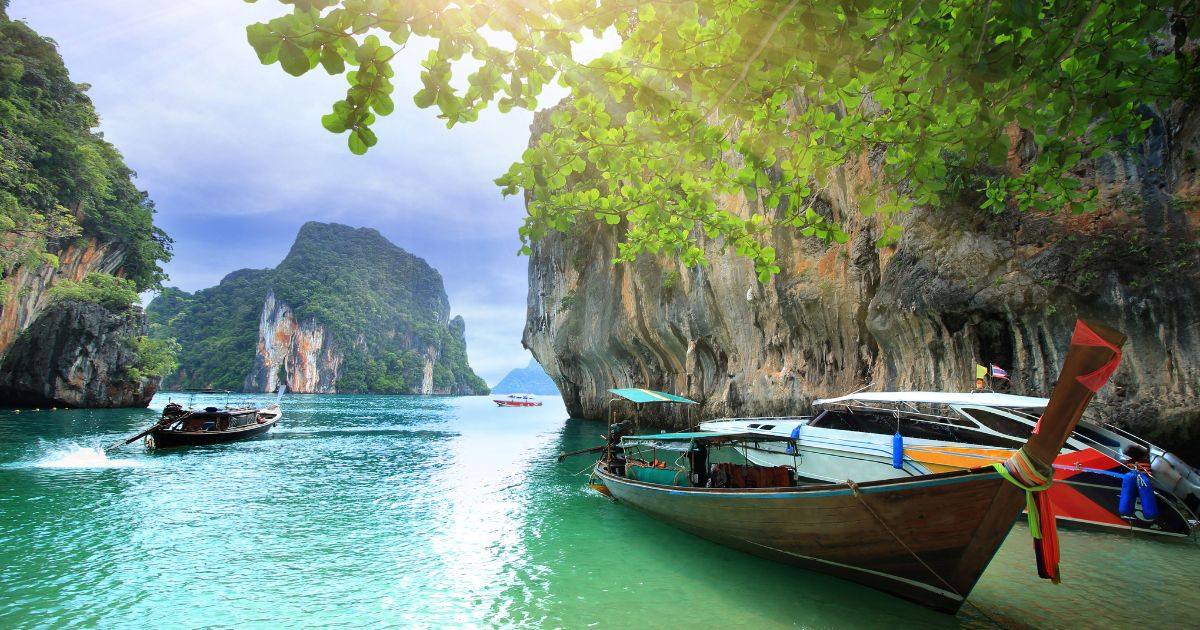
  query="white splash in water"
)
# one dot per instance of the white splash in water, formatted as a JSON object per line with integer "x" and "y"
{"x": 75, "y": 456}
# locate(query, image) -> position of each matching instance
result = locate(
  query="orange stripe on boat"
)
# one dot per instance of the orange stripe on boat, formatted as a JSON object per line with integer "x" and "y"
{"x": 946, "y": 458}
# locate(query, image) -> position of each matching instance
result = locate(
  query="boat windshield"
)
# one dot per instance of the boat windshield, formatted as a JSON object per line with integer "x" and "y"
{"x": 999, "y": 423}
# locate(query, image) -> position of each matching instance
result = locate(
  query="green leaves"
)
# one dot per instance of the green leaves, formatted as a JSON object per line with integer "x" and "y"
{"x": 382, "y": 104}
{"x": 332, "y": 60}
{"x": 293, "y": 59}
{"x": 340, "y": 119}
{"x": 361, "y": 139}
{"x": 265, "y": 42}
{"x": 703, "y": 102}
{"x": 424, "y": 98}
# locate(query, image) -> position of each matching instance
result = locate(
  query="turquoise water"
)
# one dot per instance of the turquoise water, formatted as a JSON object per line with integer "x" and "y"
{"x": 394, "y": 511}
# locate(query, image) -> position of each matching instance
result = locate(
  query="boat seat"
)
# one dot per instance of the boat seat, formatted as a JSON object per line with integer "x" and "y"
{"x": 757, "y": 476}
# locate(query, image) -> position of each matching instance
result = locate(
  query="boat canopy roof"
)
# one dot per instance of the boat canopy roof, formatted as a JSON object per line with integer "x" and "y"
{"x": 987, "y": 399}
{"x": 683, "y": 441}
{"x": 639, "y": 395}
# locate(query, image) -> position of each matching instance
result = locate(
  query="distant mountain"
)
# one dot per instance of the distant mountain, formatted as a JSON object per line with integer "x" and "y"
{"x": 345, "y": 312}
{"x": 531, "y": 379}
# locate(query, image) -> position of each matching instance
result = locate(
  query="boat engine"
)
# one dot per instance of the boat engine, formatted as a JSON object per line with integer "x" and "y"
{"x": 1175, "y": 476}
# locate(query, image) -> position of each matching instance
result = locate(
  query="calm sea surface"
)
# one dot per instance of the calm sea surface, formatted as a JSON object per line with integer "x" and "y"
{"x": 398, "y": 511}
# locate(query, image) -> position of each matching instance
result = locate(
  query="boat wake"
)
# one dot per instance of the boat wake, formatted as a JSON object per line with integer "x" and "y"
{"x": 75, "y": 456}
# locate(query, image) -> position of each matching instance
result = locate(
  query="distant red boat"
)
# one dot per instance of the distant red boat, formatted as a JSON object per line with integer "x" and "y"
{"x": 518, "y": 400}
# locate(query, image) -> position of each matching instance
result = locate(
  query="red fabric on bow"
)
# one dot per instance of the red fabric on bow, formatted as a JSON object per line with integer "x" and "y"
{"x": 1085, "y": 336}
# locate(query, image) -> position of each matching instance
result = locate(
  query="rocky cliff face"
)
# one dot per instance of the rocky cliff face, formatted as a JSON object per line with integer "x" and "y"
{"x": 27, "y": 285}
{"x": 960, "y": 288}
{"x": 76, "y": 355}
{"x": 72, "y": 355}
{"x": 302, "y": 353}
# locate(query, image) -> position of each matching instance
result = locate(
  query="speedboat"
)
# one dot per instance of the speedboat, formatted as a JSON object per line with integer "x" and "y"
{"x": 517, "y": 400}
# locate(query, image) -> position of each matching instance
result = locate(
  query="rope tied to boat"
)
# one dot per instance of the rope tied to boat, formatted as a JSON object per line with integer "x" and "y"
{"x": 858, "y": 494}
{"x": 1035, "y": 477}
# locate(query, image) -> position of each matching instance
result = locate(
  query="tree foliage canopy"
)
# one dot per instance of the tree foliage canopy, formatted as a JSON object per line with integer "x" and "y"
{"x": 708, "y": 98}
{"x": 155, "y": 357}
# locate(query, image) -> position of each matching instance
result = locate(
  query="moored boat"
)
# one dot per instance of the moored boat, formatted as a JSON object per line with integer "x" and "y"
{"x": 517, "y": 400}
{"x": 854, "y": 437}
{"x": 926, "y": 538}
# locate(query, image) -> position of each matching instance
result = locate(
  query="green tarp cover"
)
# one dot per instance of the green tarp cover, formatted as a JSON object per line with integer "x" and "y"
{"x": 639, "y": 395}
{"x": 660, "y": 476}
{"x": 674, "y": 437}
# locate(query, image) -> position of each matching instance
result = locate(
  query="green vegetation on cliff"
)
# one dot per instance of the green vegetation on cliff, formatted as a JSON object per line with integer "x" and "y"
{"x": 217, "y": 329}
{"x": 156, "y": 357}
{"x": 360, "y": 285}
{"x": 115, "y": 294}
{"x": 385, "y": 309}
{"x": 59, "y": 179}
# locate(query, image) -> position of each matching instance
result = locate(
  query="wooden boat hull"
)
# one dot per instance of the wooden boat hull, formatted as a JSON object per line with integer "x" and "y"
{"x": 166, "y": 438}
{"x": 926, "y": 539}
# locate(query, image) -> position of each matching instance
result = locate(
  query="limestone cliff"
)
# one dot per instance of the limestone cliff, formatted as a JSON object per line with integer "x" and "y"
{"x": 77, "y": 355}
{"x": 68, "y": 208}
{"x": 961, "y": 287}
{"x": 302, "y": 354}
{"x": 27, "y": 295}
{"x": 346, "y": 311}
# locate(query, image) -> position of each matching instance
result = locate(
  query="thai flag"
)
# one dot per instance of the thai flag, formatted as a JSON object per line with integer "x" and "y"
{"x": 998, "y": 373}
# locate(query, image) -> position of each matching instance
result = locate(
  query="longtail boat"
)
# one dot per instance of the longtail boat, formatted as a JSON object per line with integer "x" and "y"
{"x": 871, "y": 436}
{"x": 926, "y": 538}
{"x": 187, "y": 427}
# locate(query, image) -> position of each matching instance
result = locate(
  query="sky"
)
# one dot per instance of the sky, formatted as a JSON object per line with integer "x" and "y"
{"x": 236, "y": 160}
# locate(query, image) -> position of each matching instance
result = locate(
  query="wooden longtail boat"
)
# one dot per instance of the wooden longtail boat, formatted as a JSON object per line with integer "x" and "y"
{"x": 927, "y": 538}
{"x": 185, "y": 427}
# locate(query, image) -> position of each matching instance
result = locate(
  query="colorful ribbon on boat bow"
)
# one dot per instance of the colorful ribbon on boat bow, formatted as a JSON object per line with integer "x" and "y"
{"x": 1094, "y": 380}
{"x": 1035, "y": 477}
